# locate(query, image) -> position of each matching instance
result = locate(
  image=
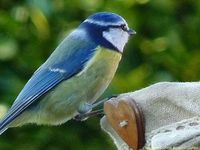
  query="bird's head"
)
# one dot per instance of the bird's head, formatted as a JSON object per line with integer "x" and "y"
{"x": 108, "y": 30}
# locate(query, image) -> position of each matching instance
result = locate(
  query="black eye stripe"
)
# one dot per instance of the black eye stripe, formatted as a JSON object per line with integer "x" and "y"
{"x": 122, "y": 26}
{"x": 114, "y": 26}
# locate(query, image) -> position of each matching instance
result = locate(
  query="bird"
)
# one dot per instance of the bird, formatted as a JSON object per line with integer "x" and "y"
{"x": 74, "y": 76}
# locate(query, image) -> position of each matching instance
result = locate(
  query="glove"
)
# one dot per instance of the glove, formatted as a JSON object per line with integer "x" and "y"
{"x": 171, "y": 112}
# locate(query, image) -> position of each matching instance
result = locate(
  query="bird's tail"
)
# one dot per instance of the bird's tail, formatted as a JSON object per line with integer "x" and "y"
{"x": 2, "y": 130}
{"x": 3, "y": 125}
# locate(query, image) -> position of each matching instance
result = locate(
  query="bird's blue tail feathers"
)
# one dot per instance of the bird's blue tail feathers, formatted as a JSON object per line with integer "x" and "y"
{"x": 2, "y": 130}
{"x": 4, "y": 123}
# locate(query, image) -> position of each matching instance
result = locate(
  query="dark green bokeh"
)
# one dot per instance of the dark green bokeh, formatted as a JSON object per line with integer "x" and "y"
{"x": 166, "y": 48}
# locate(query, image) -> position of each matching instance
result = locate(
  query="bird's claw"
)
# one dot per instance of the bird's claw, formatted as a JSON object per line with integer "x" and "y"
{"x": 83, "y": 117}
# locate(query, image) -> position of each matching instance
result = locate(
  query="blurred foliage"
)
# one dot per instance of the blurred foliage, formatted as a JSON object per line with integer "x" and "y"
{"x": 166, "y": 48}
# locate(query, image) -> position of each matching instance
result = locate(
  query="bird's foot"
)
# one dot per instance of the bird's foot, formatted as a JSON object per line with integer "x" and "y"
{"x": 101, "y": 102}
{"x": 86, "y": 112}
{"x": 83, "y": 117}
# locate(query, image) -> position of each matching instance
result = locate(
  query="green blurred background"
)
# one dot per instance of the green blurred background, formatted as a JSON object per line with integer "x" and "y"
{"x": 166, "y": 48}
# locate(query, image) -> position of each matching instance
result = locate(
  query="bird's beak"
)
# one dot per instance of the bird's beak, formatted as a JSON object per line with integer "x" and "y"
{"x": 131, "y": 32}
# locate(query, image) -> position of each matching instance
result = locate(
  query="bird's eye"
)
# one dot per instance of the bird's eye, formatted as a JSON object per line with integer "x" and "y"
{"x": 124, "y": 27}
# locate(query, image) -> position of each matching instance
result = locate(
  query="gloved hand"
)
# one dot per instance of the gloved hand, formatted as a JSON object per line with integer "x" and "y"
{"x": 171, "y": 113}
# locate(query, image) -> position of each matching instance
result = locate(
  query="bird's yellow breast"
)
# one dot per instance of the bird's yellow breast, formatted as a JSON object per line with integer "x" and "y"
{"x": 99, "y": 72}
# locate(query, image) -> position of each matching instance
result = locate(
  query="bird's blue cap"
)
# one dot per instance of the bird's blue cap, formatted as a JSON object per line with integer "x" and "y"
{"x": 106, "y": 17}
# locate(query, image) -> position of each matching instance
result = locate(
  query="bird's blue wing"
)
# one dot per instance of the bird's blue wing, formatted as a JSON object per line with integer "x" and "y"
{"x": 37, "y": 86}
{"x": 49, "y": 75}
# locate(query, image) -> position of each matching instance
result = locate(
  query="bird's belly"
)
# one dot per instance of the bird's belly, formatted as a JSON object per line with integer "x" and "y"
{"x": 64, "y": 101}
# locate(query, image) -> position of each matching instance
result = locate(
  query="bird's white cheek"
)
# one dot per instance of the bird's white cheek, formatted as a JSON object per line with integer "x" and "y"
{"x": 116, "y": 37}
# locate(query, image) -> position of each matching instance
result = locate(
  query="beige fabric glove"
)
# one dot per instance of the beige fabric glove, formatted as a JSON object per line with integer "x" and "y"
{"x": 171, "y": 113}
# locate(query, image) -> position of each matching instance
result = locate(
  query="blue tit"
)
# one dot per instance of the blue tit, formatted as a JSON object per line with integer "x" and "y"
{"x": 74, "y": 76}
